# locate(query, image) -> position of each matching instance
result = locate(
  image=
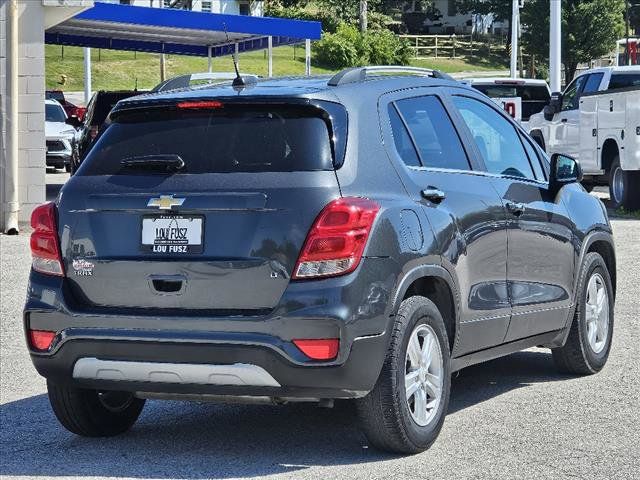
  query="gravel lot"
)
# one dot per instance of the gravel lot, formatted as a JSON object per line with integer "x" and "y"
{"x": 510, "y": 418}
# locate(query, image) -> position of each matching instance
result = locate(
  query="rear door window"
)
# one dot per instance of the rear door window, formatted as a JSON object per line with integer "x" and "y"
{"x": 624, "y": 80}
{"x": 224, "y": 140}
{"x": 433, "y": 133}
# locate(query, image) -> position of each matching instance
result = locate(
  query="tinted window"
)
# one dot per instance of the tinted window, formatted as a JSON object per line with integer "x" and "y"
{"x": 593, "y": 83}
{"x": 497, "y": 140}
{"x": 534, "y": 97}
{"x": 435, "y": 137}
{"x": 403, "y": 143}
{"x": 572, "y": 94}
{"x": 624, "y": 80}
{"x": 54, "y": 113}
{"x": 55, "y": 95}
{"x": 240, "y": 139}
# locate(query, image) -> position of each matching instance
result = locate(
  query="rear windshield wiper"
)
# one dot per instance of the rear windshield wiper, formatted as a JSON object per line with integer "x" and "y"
{"x": 159, "y": 162}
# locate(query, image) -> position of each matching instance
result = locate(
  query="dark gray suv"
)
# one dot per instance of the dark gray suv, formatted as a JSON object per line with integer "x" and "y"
{"x": 310, "y": 239}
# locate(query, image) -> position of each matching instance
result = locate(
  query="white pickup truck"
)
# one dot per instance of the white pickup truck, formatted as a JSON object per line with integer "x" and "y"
{"x": 596, "y": 120}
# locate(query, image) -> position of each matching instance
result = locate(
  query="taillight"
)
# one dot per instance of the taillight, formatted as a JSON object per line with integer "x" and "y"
{"x": 45, "y": 248}
{"x": 335, "y": 243}
{"x": 319, "y": 349}
{"x": 41, "y": 340}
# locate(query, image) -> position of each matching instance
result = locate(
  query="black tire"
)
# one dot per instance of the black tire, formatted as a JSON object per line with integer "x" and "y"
{"x": 67, "y": 168}
{"x": 577, "y": 356}
{"x": 627, "y": 193}
{"x": 385, "y": 414}
{"x": 90, "y": 413}
{"x": 588, "y": 187}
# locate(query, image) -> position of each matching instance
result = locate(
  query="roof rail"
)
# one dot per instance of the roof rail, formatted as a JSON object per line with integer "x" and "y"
{"x": 359, "y": 74}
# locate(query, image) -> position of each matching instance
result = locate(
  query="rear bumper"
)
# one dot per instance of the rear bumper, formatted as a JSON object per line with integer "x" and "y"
{"x": 176, "y": 364}
{"x": 216, "y": 355}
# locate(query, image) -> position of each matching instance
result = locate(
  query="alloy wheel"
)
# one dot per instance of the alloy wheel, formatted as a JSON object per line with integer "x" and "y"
{"x": 423, "y": 375}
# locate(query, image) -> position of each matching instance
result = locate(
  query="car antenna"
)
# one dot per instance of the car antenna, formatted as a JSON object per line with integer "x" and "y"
{"x": 238, "y": 81}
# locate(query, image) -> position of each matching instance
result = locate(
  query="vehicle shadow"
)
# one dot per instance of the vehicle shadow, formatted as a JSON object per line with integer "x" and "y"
{"x": 191, "y": 440}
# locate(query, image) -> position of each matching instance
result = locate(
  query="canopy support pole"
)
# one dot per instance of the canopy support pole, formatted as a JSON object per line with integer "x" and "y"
{"x": 270, "y": 57}
{"x": 209, "y": 59}
{"x": 87, "y": 75}
{"x": 307, "y": 57}
{"x": 236, "y": 52}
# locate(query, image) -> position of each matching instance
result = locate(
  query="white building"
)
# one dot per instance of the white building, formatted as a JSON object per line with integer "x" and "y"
{"x": 443, "y": 17}
{"x": 231, "y": 7}
{"x": 22, "y": 86}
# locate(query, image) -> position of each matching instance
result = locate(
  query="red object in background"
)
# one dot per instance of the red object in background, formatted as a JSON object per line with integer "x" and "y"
{"x": 71, "y": 109}
{"x": 633, "y": 53}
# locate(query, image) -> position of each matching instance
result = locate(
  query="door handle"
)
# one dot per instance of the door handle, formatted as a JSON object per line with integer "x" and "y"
{"x": 433, "y": 194}
{"x": 515, "y": 208}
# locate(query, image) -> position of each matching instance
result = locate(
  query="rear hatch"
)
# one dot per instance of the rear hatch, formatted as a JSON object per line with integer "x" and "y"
{"x": 196, "y": 205}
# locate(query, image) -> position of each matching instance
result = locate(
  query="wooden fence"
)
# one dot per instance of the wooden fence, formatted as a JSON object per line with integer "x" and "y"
{"x": 453, "y": 46}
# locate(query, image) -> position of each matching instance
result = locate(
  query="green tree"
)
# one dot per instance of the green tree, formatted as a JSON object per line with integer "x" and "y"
{"x": 590, "y": 29}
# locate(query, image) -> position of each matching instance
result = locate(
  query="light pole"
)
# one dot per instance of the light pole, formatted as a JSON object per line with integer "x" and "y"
{"x": 555, "y": 44}
{"x": 515, "y": 24}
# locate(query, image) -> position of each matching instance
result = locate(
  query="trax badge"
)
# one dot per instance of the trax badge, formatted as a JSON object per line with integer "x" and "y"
{"x": 82, "y": 267}
{"x": 165, "y": 202}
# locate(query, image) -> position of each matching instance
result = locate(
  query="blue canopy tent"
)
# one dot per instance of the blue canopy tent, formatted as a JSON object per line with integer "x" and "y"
{"x": 179, "y": 32}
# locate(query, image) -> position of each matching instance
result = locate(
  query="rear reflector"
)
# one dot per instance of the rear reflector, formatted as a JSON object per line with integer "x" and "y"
{"x": 200, "y": 105}
{"x": 319, "y": 349}
{"x": 41, "y": 340}
{"x": 45, "y": 247}
{"x": 335, "y": 243}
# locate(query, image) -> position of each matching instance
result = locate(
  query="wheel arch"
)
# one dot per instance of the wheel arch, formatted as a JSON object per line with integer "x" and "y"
{"x": 435, "y": 283}
{"x": 610, "y": 150}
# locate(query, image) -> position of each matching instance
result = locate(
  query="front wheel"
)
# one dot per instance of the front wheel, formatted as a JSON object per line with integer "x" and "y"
{"x": 589, "y": 342}
{"x": 92, "y": 413}
{"x": 405, "y": 411}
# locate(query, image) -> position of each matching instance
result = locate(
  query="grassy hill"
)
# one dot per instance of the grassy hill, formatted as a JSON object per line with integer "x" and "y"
{"x": 112, "y": 70}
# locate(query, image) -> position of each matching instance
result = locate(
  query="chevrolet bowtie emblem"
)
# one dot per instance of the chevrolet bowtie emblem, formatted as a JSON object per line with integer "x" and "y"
{"x": 165, "y": 202}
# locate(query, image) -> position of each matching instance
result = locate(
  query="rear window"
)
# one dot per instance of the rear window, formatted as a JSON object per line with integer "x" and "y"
{"x": 534, "y": 97}
{"x": 624, "y": 80}
{"x": 224, "y": 140}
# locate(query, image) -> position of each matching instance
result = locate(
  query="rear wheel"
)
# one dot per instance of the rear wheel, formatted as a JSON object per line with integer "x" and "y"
{"x": 589, "y": 341}
{"x": 405, "y": 411}
{"x": 93, "y": 413}
{"x": 624, "y": 186}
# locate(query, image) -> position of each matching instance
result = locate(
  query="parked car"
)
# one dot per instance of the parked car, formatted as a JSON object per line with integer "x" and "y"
{"x": 97, "y": 111}
{"x": 308, "y": 239}
{"x": 597, "y": 121}
{"x": 58, "y": 135}
{"x": 200, "y": 79}
{"x": 520, "y": 97}
{"x": 71, "y": 109}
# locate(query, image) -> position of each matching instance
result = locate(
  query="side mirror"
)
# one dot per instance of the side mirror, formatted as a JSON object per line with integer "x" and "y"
{"x": 564, "y": 170}
{"x": 555, "y": 103}
{"x": 74, "y": 122}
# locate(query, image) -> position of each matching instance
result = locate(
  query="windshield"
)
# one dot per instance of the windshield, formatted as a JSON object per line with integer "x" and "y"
{"x": 624, "y": 80}
{"x": 534, "y": 97}
{"x": 54, "y": 113}
{"x": 224, "y": 140}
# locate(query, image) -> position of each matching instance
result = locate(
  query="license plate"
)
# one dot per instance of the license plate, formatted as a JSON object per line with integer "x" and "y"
{"x": 172, "y": 234}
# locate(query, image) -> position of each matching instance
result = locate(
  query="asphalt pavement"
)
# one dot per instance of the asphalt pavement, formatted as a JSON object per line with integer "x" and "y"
{"x": 514, "y": 417}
